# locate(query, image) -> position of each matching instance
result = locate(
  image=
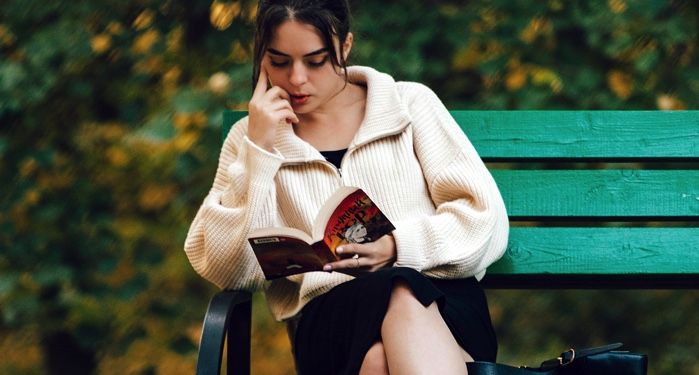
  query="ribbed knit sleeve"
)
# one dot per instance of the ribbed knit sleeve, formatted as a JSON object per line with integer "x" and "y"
{"x": 242, "y": 197}
{"x": 469, "y": 230}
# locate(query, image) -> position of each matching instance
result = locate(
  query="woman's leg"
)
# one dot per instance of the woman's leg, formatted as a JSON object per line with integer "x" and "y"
{"x": 416, "y": 340}
{"x": 375, "y": 361}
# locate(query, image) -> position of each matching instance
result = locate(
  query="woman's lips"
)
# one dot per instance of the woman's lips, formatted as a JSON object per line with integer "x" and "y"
{"x": 299, "y": 99}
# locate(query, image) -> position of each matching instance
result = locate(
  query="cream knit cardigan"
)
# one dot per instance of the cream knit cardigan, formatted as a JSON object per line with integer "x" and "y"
{"x": 409, "y": 155}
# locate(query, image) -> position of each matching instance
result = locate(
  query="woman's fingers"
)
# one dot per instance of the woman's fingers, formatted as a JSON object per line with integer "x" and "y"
{"x": 276, "y": 93}
{"x": 268, "y": 107}
{"x": 261, "y": 87}
{"x": 350, "y": 266}
{"x": 290, "y": 116}
{"x": 356, "y": 256}
{"x": 369, "y": 256}
{"x": 349, "y": 250}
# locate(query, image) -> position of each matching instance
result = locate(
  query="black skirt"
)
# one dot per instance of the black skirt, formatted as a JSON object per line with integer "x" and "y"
{"x": 336, "y": 329}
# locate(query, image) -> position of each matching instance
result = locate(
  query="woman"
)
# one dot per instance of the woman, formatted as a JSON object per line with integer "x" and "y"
{"x": 410, "y": 302}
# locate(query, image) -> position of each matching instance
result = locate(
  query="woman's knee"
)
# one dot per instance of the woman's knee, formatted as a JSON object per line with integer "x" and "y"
{"x": 401, "y": 290}
{"x": 403, "y": 298}
{"x": 374, "y": 360}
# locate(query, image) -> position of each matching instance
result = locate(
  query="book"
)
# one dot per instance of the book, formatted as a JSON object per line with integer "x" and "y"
{"x": 348, "y": 216}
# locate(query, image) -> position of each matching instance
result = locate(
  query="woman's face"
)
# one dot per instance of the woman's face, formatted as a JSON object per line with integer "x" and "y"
{"x": 298, "y": 61}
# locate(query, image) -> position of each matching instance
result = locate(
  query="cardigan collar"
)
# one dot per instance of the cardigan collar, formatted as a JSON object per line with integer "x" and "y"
{"x": 384, "y": 115}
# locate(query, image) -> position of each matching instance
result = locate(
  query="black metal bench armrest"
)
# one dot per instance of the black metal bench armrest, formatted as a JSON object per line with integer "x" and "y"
{"x": 229, "y": 314}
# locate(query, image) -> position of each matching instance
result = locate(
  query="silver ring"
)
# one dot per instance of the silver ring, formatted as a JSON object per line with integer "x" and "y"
{"x": 356, "y": 257}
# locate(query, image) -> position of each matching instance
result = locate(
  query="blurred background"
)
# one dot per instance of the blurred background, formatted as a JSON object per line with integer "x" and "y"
{"x": 109, "y": 136}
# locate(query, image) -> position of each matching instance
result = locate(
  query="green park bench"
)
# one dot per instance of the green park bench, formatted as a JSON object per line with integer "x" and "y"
{"x": 596, "y": 199}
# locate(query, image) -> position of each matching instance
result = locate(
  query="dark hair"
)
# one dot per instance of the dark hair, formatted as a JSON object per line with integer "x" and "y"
{"x": 330, "y": 17}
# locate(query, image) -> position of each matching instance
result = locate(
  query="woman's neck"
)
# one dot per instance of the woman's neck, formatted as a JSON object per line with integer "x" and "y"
{"x": 334, "y": 126}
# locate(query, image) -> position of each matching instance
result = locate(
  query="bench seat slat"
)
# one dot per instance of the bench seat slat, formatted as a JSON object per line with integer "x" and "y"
{"x": 582, "y": 134}
{"x": 600, "y": 251}
{"x": 600, "y": 193}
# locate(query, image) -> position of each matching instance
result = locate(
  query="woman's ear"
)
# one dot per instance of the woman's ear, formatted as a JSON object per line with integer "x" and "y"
{"x": 347, "y": 46}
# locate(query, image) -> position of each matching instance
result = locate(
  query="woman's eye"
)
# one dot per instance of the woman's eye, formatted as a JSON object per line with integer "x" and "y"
{"x": 318, "y": 63}
{"x": 278, "y": 63}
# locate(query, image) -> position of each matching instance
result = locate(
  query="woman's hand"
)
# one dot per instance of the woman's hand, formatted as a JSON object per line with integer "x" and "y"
{"x": 268, "y": 108}
{"x": 365, "y": 257}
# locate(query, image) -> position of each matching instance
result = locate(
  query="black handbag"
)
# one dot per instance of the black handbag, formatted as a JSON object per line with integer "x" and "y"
{"x": 592, "y": 361}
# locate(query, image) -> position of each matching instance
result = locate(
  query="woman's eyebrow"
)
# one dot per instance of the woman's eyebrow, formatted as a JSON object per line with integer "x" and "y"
{"x": 314, "y": 53}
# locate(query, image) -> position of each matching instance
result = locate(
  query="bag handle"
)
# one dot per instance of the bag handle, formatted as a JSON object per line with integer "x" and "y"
{"x": 571, "y": 355}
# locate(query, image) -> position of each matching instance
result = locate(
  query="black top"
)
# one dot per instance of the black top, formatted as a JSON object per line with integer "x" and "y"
{"x": 334, "y": 157}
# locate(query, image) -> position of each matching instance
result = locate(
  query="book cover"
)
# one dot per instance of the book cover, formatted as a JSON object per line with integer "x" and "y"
{"x": 348, "y": 216}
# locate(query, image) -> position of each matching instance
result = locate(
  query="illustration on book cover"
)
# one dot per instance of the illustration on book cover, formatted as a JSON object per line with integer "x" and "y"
{"x": 348, "y": 216}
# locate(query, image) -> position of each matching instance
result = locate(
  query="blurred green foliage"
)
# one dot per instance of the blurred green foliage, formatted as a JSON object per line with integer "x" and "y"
{"x": 109, "y": 118}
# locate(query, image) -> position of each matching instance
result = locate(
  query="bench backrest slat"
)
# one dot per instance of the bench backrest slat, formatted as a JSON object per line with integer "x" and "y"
{"x": 512, "y": 135}
{"x": 630, "y": 194}
{"x": 559, "y": 250}
{"x": 595, "y": 198}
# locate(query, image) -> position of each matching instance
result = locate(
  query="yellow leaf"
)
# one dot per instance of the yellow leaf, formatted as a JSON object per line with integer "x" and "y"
{"x": 223, "y": 13}
{"x": 115, "y": 28}
{"x": 620, "y": 83}
{"x": 21, "y": 350}
{"x": 32, "y": 197}
{"x": 151, "y": 65}
{"x": 199, "y": 119}
{"x": 193, "y": 332}
{"x": 185, "y": 141}
{"x": 239, "y": 54}
{"x": 145, "y": 41}
{"x": 28, "y": 167}
{"x": 174, "y": 39}
{"x": 668, "y": 102}
{"x": 172, "y": 76}
{"x": 251, "y": 12}
{"x": 181, "y": 120}
{"x": 487, "y": 21}
{"x": 536, "y": 27}
{"x": 617, "y": 6}
{"x": 547, "y": 77}
{"x": 474, "y": 54}
{"x": 101, "y": 43}
{"x": 516, "y": 78}
{"x": 117, "y": 156}
{"x": 128, "y": 228}
{"x": 155, "y": 197}
{"x": 6, "y": 36}
{"x": 144, "y": 19}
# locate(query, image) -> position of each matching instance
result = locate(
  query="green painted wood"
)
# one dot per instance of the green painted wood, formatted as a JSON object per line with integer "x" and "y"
{"x": 600, "y": 193}
{"x": 230, "y": 118}
{"x": 600, "y": 251}
{"x": 582, "y": 134}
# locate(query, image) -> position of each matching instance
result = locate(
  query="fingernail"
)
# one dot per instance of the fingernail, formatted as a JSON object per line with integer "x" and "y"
{"x": 327, "y": 267}
{"x": 340, "y": 249}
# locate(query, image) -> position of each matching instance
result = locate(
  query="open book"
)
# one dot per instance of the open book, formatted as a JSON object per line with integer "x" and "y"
{"x": 348, "y": 216}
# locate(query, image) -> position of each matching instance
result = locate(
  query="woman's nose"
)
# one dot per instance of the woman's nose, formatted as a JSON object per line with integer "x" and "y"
{"x": 298, "y": 75}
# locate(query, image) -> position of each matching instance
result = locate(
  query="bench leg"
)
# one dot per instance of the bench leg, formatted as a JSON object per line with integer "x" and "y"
{"x": 228, "y": 316}
{"x": 239, "y": 329}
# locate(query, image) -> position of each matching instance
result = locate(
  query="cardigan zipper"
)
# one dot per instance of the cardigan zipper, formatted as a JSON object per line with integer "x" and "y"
{"x": 331, "y": 165}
